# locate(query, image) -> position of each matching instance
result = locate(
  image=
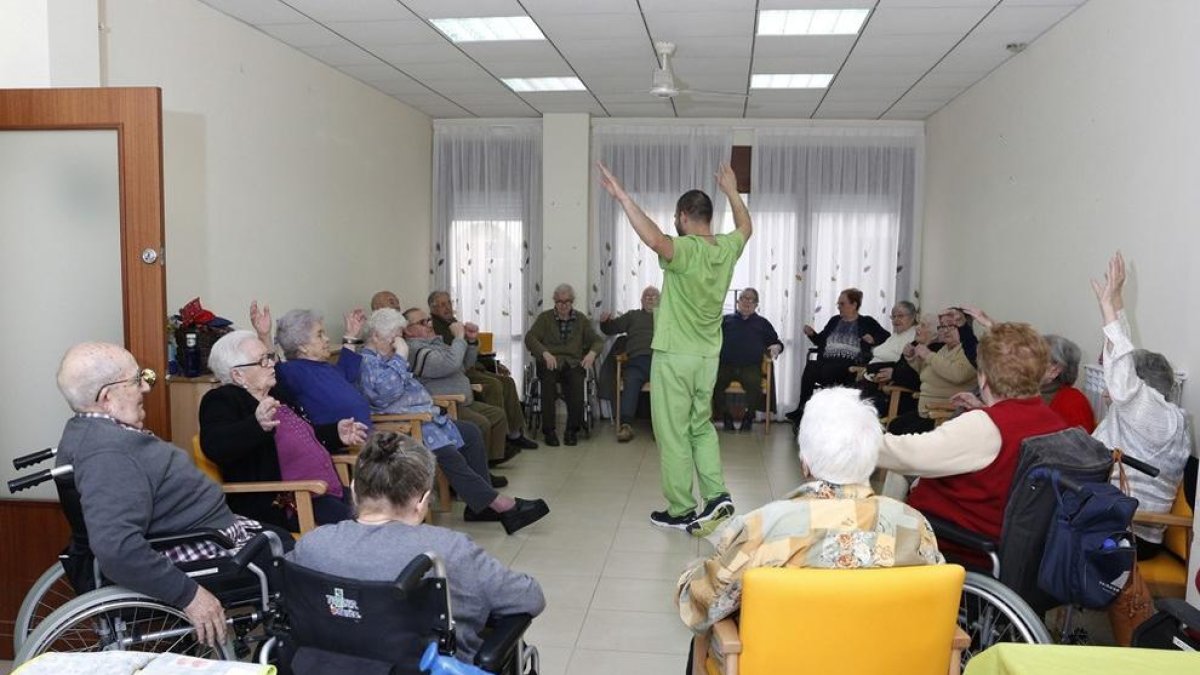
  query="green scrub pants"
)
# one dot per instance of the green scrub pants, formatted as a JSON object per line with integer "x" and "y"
{"x": 681, "y": 411}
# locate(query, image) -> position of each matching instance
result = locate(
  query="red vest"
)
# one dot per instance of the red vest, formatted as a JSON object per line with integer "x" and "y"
{"x": 976, "y": 501}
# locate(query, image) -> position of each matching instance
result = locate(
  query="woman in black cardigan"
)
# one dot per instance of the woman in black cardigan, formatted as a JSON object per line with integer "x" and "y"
{"x": 252, "y": 436}
{"x": 846, "y": 340}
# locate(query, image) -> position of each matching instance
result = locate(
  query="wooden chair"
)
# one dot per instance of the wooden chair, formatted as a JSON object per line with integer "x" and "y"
{"x": 895, "y": 394}
{"x": 303, "y": 491}
{"x": 893, "y": 621}
{"x": 1166, "y": 573}
{"x": 767, "y": 374}
{"x": 409, "y": 424}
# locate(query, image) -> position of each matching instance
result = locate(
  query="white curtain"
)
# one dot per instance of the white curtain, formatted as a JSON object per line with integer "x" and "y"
{"x": 833, "y": 208}
{"x": 487, "y": 217}
{"x": 656, "y": 164}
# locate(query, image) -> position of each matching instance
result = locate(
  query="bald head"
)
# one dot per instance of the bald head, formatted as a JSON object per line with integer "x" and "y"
{"x": 384, "y": 299}
{"x": 88, "y": 366}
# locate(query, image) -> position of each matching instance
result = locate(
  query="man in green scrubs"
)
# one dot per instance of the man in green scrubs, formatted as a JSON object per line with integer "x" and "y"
{"x": 697, "y": 267}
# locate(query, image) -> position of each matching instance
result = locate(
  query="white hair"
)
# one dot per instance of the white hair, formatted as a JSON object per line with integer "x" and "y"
{"x": 565, "y": 289}
{"x": 228, "y": 352}
{"x": 839, "y": 436}
{"x": 87, "y": 367}
{"x": 294, "y": 329}
{"x": 386, "y": 323}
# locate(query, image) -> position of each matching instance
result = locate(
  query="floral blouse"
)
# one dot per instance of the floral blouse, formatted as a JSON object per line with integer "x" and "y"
{"x": 390, "y": 387}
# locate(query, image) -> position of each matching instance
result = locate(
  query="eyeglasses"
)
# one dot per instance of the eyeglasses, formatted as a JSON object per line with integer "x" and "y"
{"x": 144, "y": 375}
{"x": 427, "y": 321}
{"x": 564, "y": 302}
{"x": 268, "y": 360}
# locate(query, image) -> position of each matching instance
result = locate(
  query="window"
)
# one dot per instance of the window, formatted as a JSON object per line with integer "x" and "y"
{"x": 486, "y": 276}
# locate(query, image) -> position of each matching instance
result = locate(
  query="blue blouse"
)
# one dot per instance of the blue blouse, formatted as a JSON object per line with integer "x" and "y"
{"x": 324, "y": 390}
{"x": 390, "y": 387}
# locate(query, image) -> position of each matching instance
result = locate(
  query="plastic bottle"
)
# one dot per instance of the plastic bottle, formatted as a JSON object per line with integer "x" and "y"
{"x": 191, "y": 356}
{"x": 439, "y": 664}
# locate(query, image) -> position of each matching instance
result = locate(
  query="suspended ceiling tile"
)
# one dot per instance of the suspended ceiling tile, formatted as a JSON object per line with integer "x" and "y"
{"x": 400, "y": 84}
{"x": 436, "y": 9}
{"x": 653, "y": 109}
{"x": 568, "y": 101}
{"x": 789, "y": 47}
{"x": 371, "y": 73}
{"x": 724, "y": 47}
{"x": 357, "y": 10}
{"x": 404, "y": 55}
{"x": 518, "y": 50}
{"x": 923, "y": 20}
{"x": 257, "y": 12}
{"x": 1030, "y": 20}
{"x": 806, "y": 64}
{"x": 542, "y": 68}
{"x": 301, "y": 35}
{"x": 674, "y": 25}
{"x": 930, "y": 45}
{"x": 849, "y": 111}
{"x": 872, "y": 94}
{"x": 386, "y": 33}
{"x": 573, "y": 7}
{"x": 816, "y": 4}
{"x": 619, "y": 86}
{"x": 344, "y": 54}
{"x": 705, "y": 66}
{"x": 561, "y": 27}
{"x": 600, "y": 48}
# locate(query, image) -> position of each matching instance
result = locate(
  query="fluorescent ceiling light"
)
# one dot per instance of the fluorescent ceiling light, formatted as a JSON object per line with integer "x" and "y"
{"x": 544, "y": 84}
{"x": 791, "y": 81}
{"x": 488, "y": 29}
{"x": 811, "y": 21}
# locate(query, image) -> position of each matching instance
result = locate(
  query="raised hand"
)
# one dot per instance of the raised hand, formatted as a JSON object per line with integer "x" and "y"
{"x": 458, "y": 330}
{"x": 727, "y": 180}
{"x": 809, "y": 331}
{"x": 610, "y": 183}
{"x": 471, "y": 331}
{"x": 401, "y": 346}
{"x": 981, "y": 317}
{"x": 260, "y": 319}
{"x": 1109, "y": 292}
{"x": 355, "y": 320}
{"x": 605, "y": 316}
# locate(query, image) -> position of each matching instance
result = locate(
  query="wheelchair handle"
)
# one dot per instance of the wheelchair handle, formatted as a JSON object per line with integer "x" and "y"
{"x": 25, "y": 482}
{"x": 251, "y": 550}
{"x": 1138, "y": 464}
{"x": 34, "y": 458}
{"x": 416, "y": 570}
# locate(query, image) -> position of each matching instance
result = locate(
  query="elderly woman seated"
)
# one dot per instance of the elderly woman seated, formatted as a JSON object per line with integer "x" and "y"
{"x": 330, "y": 393}
{"x": 252, "y": 434}
{"x": 944, "y": 373}
{"x": 967, "y": 464}
{"x": 1141, "y": 419}
{"x": 392, "y": 484}
{"x": 390, "y": 387}
{"x": 1058, "y": 386}
{"x": 831, "y": 521}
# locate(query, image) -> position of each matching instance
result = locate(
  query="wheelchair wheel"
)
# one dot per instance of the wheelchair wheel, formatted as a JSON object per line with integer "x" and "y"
{"x": 51, "y": 591}
{"x": 991, "y": 612}
{"x": 533, "y": 402}
{"x": 116, "y": 618}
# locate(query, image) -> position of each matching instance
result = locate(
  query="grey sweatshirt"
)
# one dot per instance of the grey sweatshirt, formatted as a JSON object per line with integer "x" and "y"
{"x": 440, "y": 366}
{"x": 480, "y": 586}
{"x": 135, "y": 485}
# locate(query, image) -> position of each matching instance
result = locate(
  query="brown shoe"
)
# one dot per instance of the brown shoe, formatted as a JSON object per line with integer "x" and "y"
{"x": 625, "y": 434}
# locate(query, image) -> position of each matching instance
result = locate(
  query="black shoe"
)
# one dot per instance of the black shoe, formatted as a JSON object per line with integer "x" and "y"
{"x": 498, "y": 481}
{"x": 729, "y": 422}
{"x": 571, "y": 438}
{"x": 526, "y": 512}
{"x": 795, "y": 415}
{"x": 510, "y": 451}
{"x": 551, "y": 438}
{"x": 523, "y": 443}
{"x": 488, "y": 515}
{"x": 747, "y": 421}
{"x": 665, "y": 519}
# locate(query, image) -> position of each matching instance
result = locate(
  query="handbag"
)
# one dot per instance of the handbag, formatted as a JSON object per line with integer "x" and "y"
{"x": 1134, "y": 604}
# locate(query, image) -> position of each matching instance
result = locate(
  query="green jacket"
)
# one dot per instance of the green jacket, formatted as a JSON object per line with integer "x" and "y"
{"x": 544, "y": 337}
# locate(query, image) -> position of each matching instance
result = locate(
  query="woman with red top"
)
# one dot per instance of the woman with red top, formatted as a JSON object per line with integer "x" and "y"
{"x": 1058, "y": 390}
{"x": 967, "y": 464}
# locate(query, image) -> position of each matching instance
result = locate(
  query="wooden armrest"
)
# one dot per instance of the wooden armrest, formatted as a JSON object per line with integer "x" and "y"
{"x": 349, "y": 460}
{"x": 895, "y": 388}
{"x": 725, "y": 638}
{"x": 1168, "y": 519}
{"x": 935, "y": 414}
{"x": 316, "y": 487}
{"x": 960, "y": 640}
{"x": 457, "y": 398}
{"x": 622, "y": 358}
{"x": 477, "y": 388}
{"x": 945, "y": 407}
{"x": 401, "y": 417}
{"x": 858, "y": 370}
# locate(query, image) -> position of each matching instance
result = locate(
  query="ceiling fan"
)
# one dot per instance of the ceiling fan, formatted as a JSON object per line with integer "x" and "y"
{"x": 664, "y": 84}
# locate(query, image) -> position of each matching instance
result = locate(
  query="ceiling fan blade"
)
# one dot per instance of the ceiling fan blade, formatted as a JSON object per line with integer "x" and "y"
{"x": 701, "y": 93}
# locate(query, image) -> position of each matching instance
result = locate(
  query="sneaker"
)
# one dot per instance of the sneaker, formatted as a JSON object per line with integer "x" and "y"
{"x": 729, "y": 422}
{"x": 550, "y": 438}
{"x": 625, "y": 434}
{"x": 665, "y": 519}
{"x": 717, "y": 509}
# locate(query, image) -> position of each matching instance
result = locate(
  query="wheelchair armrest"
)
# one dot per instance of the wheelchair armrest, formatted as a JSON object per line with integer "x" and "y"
{"x": 256, "y": 545}
{"x": 167, "y": 541}
{"x": 503, "y": 636}
{"x": 944, "y": 529}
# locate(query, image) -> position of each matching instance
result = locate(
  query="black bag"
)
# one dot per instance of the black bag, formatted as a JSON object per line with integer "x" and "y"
{"x": 1089, "y": 552}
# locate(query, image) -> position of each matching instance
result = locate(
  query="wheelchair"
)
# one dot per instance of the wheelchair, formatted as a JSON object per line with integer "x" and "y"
{"x": 1001, "y": 600}
{"x": 535, "y": 404}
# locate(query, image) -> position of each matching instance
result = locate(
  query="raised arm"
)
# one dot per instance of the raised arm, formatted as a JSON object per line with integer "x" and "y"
{"x": 647, "y": 230}
{"x": 727, "y": 181}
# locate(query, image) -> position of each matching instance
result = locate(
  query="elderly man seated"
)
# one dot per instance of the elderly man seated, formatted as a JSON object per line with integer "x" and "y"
{"x": 638, "y": 324}
{"x": 564, "y": 346}
{"x": 747, "y": 335}
{"x": 499, "y": 389}
{"x": 441, "y": 368}
{"x": 134, "y": 486}
{"x": 831, "y": 521}
{"x": 967, "y": 464}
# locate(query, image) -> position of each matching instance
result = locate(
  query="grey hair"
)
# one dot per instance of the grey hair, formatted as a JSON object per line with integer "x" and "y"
{"x": 392, "y": 467}
{"x": 840, "y": 436}
{"x": 386, "y": 323}
{"x": 1155, "y": 370}
{"x": 87, "y": 367}
{"x": 908, "y": 307}
{"x": 1066, "y": 355}
{"x": 750, "y": 289}
{"x": 434, "y": 296}
{"x": 565, "y": 289}
{"x": 229, "y": 352}
{"x": 294, "y": 329}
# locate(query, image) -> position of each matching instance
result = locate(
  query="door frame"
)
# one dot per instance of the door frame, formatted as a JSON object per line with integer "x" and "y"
{"x": 135, "y": 113}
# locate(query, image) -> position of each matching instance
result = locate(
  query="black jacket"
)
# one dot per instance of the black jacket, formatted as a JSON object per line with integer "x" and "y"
{"x": 864, "y": 325}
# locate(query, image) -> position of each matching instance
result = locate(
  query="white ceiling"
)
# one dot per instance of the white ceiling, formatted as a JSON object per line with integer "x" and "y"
{"x": 910, "y": 59}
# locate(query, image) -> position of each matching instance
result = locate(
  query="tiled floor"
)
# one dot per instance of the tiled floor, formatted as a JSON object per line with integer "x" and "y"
{"x": 607, "y": 573}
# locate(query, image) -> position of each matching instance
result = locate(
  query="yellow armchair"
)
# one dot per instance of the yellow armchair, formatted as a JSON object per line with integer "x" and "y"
{"x": 1166, "y": 573}
{"x": 893, "y": 621}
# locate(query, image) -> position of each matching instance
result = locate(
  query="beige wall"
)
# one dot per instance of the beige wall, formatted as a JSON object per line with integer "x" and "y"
{"x": 566, "y": 181}
{"x": 285, "y": 179}
{"x": 1083, "y": 144}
